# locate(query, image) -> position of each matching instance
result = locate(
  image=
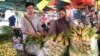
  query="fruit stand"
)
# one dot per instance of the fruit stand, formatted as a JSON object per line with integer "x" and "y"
{"x": 6, "y": 47}
{"x": 80, "y": 41}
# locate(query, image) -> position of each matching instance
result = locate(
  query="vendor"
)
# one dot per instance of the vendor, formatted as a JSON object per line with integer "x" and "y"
{"x": 61, "y": 24}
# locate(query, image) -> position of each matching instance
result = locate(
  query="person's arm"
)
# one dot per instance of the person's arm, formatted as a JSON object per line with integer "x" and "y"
{"x": 42, "y": 32}
{"x": 40, "y": 29}
{"x": 52, "y": 29}
{"x": 29, "y": 33}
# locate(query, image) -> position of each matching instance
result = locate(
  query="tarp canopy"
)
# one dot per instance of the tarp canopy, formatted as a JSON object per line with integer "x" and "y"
{"x": 85, "y": 2}
{"x": 7, "y": 6}
{"x": 21, "y": 7}
{"x": 12, "y": 6}
{"x": 7, "y": 3}
{"x": 77, "y": 1}
{"x": 16, "y": 1}
{"x": 89, "y": 2}
{"x": 62, "y": 3}
{"x": 2, "y": 9}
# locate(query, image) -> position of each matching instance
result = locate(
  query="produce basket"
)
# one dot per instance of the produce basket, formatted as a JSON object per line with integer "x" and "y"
{"x": 56, "y": 45}
{"x": 84, "y": 42}
{"x": 80, "y": 41}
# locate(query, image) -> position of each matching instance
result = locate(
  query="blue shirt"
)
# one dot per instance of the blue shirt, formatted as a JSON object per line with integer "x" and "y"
{"x": 12, "y": 20}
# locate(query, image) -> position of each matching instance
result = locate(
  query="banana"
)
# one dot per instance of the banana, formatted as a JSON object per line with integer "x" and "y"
{"x": 66, "y": 43}
{"x": 52, "y": 38}
{"x": 86, "y": 30}
{"x": 78, "y": 39}
{"x": 61, "y": 42}
{"x": 58, "y": 39}
{"x": 95, "y": 35}
{"x": 83, "y": 39}
{"x": 88, "y": 39}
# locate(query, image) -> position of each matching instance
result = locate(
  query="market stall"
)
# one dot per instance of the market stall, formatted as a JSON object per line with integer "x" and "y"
{"x": 80, "y": 41}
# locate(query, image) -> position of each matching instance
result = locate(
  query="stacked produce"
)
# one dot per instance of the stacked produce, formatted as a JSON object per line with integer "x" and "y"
{"x": 32, "y": 45}
{"x": 83, "y": 43}
{"x": 55, "y": 45}
{"x": 82, "y": 39}
{"x": 6, "y": 49}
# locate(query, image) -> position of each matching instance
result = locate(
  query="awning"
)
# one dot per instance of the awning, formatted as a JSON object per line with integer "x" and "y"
{"x": 85, "y": 2}
{"x": 7, "y": 6}
{"x": 16, "y": 1}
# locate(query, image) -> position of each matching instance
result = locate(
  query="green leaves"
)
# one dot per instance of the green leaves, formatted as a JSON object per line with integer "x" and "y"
{"x": 6, "y": 33}
{"x": 49, "y": 0}
{"x": 6, "y": 29}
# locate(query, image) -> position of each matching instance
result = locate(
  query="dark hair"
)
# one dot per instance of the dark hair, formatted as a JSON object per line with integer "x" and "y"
{"x": 62, "y": 9}
{"x": 28, "y": 4}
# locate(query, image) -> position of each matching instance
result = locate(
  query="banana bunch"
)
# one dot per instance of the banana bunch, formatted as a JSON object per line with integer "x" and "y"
{"x": 6, "y": 49}
{"x": 60, "y": 39}
{"x": 83, "y": 34}
{"x": 55, "y": 45}
{"x": 81, "y": 38}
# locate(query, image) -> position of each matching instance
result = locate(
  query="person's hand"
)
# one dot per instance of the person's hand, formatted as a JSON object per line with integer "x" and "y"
{"x": 36, "y": 35}
{"x": 33, "y": 35}
{"x": 39, "y": 34}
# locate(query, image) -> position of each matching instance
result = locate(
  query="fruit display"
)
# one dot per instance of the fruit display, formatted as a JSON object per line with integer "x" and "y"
{"x": 55, "y": 45}
{"x": 83, "y": 41}
{"x": 51, "y": 45}
{"x": 6, "y": 49}
{"x": 6, "y": 46}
